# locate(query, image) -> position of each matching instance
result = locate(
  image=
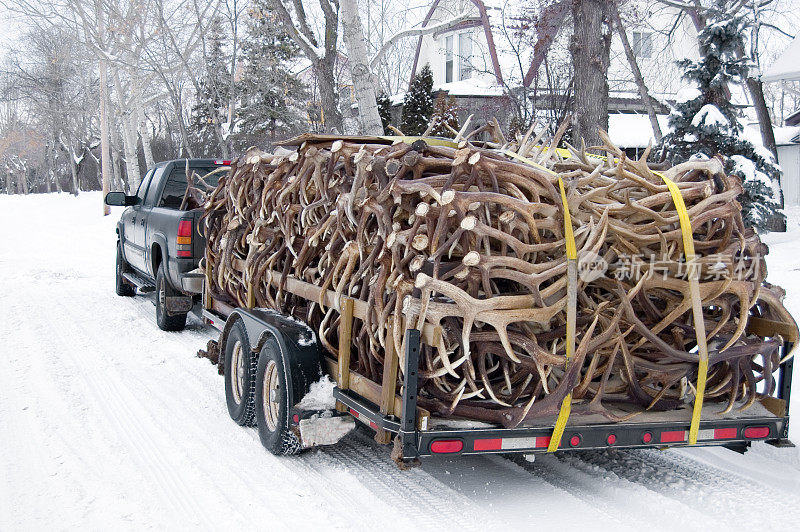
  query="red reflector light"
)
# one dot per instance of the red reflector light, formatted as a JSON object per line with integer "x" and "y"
{"x": 185, "y": 228}
{"x": 296, "y": 418}
{"x": 226, "y": 163}
{"x": 575, "y": 440}
{"x": 647, "y": 437}
{"x": 756, "y": 432}
{"x": 446, "y": 446}
{"x": 493, "y": 444}
{"x": 725, "y": 434}
{"x": 184, "y": 253}
{"x": 612, "y": 439}
{"x": 672, "y": 436}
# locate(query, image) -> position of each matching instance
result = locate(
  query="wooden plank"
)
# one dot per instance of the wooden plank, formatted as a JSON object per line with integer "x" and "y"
{"x": 371, "y": 391}
{"x": 345, "y": 338}
{"x": 390, "y": 367}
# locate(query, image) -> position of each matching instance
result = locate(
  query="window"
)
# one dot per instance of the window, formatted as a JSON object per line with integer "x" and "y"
{"x": 642, "y": 44}
{"x": 175, "y": 187}
{"x": 142, "y": 190}
{"x": 464, "y": 56}
{"x": 448, "y": 59}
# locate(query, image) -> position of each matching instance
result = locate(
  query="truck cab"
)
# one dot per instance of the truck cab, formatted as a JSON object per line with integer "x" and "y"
{"x": 159, "y": 242}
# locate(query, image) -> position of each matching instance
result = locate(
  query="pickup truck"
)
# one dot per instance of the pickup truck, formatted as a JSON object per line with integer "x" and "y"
{"x": 158, "y": 242}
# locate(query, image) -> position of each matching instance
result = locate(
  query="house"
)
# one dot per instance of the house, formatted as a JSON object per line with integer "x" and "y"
{"x": 787, "y": 138}
{"x": 492, "y": 64}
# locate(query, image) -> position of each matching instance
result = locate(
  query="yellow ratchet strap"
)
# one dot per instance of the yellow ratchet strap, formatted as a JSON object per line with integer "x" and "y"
{"x": 697, "y": 304}
{"x": 572, "y": 311}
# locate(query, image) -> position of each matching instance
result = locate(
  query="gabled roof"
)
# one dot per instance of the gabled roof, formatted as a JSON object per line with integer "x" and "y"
{"x": 787, "y": 66}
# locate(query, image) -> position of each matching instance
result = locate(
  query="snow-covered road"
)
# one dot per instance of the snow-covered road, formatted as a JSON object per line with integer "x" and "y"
{"x": 106, "y": 421}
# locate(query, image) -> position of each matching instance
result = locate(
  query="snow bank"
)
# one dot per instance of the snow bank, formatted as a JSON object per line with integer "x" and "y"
{"x": 634, "y": 130}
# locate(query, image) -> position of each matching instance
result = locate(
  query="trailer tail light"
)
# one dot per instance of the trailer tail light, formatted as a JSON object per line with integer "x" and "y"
{"x": 221, "y": 162}
{"x": 612, "y": 439}
{"x": 647, "y": 437}
{"x": 673, "y": 436}
{"x": 755, "y": 433}
{"x": 447, "y": 446}
{"x": 575, "y": 440}
{"x": 184, "y": 240}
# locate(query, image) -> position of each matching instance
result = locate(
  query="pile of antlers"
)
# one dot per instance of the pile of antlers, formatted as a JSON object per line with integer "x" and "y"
{"x": 473, "y": 241}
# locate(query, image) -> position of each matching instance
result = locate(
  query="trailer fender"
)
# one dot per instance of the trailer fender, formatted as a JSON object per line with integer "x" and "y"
{"x": 300, "y": 350}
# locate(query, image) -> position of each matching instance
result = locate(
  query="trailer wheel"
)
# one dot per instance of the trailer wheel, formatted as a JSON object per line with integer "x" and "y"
{"x": 272, "y": 402}
{"x": 122, "y": 288}
{"x": 240, "y": 370}
{"x": 163, "y": 290}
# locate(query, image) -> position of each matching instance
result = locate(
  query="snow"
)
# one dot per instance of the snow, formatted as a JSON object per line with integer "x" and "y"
{"x": 787, "y": 135}
{"x": 319, "y": 396}
{"x": 106, "y": 422}
{"x": 628, "y": 130}
{"x": 748, "y": 170}
{"x": 709, "y": 116}
{"x": 687, "y": 93}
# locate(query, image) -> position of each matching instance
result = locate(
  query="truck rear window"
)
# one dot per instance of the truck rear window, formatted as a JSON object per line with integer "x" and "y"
{"x": 175, "y": 187}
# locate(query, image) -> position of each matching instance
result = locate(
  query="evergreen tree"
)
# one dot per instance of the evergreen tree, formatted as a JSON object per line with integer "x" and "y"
{"x": 272, "y": 95}
{"x": 385, "y": 110}
{"x": 211, "y": 108}
{"x": 418, "y": 103}
{"x": 707, "y": 124}
{"x": 445, "y": 113}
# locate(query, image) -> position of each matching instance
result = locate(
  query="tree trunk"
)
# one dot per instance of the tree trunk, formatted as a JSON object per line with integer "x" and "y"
{"x": 637, "y": 74}
{"x": 590, "y": 49}
{"x": 359, "y": 67}
{"x": 147, "y": 138}
{"x": 130, "y": 142}
{"x": 22, "y": 181}
{"x": 328, "y": 94}
{"x": 9, "y": 181}
{"x": 73, "y": 168}
{"x": 105, "y": 153}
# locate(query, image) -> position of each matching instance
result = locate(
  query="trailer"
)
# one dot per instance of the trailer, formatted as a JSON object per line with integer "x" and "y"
{"x": 270, "y": 362}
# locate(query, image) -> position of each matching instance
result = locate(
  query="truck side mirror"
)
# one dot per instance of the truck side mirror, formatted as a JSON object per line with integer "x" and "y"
{"x": 119, "y": 199}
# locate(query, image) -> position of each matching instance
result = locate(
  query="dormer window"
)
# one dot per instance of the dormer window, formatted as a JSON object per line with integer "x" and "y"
{"x": 448, "y": 59}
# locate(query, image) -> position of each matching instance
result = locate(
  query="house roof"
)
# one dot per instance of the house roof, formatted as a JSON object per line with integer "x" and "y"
{"x": 787, "y": 66}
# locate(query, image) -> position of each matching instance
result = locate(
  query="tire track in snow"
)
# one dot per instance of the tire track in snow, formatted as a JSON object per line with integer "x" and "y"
{"x": 127, "y": 414}
{"x": 732, "y": 500}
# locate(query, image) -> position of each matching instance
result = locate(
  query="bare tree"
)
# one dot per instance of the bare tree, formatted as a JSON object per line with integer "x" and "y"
{"x": 590, "y": 49}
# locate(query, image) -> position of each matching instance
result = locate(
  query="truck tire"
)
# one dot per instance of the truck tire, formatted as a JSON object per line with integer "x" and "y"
{"x": 240, "y": 375}
{"x": 163, "y": 290}
{"x": 122, "y": 288}
{"x": 272, "y": 402}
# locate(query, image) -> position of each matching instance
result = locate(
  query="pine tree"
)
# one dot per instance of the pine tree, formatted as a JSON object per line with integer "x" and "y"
{"x": 418, "y": 103}
{"x": 211, "y": 107}
{"x": 385, "y": 110}
{"x": 707, "y": 124}
{"x": 445, "y": 113}
{"x": 272, "y": 96}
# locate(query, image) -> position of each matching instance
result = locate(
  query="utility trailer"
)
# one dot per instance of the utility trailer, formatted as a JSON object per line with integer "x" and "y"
{"x": 270, "y": 361}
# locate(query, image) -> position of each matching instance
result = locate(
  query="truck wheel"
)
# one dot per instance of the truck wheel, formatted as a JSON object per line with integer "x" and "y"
{"x": 163, "y": 290}
{"x": 240, "y": 372}
{"x": 123, "y": 288}
{"x": 272, "y": 402}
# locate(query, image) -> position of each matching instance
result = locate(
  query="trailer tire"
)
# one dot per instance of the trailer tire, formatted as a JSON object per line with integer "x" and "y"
{"x": 240, "y": 363}
{"x": 122, "y": 288}
{"x": 272, "y": 402}
{"x": 166, "y": 322}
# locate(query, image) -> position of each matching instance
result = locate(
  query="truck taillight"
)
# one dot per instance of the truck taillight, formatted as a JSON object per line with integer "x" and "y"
{"x": 184, "y": 240}
{"x": 225, "y": 163}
